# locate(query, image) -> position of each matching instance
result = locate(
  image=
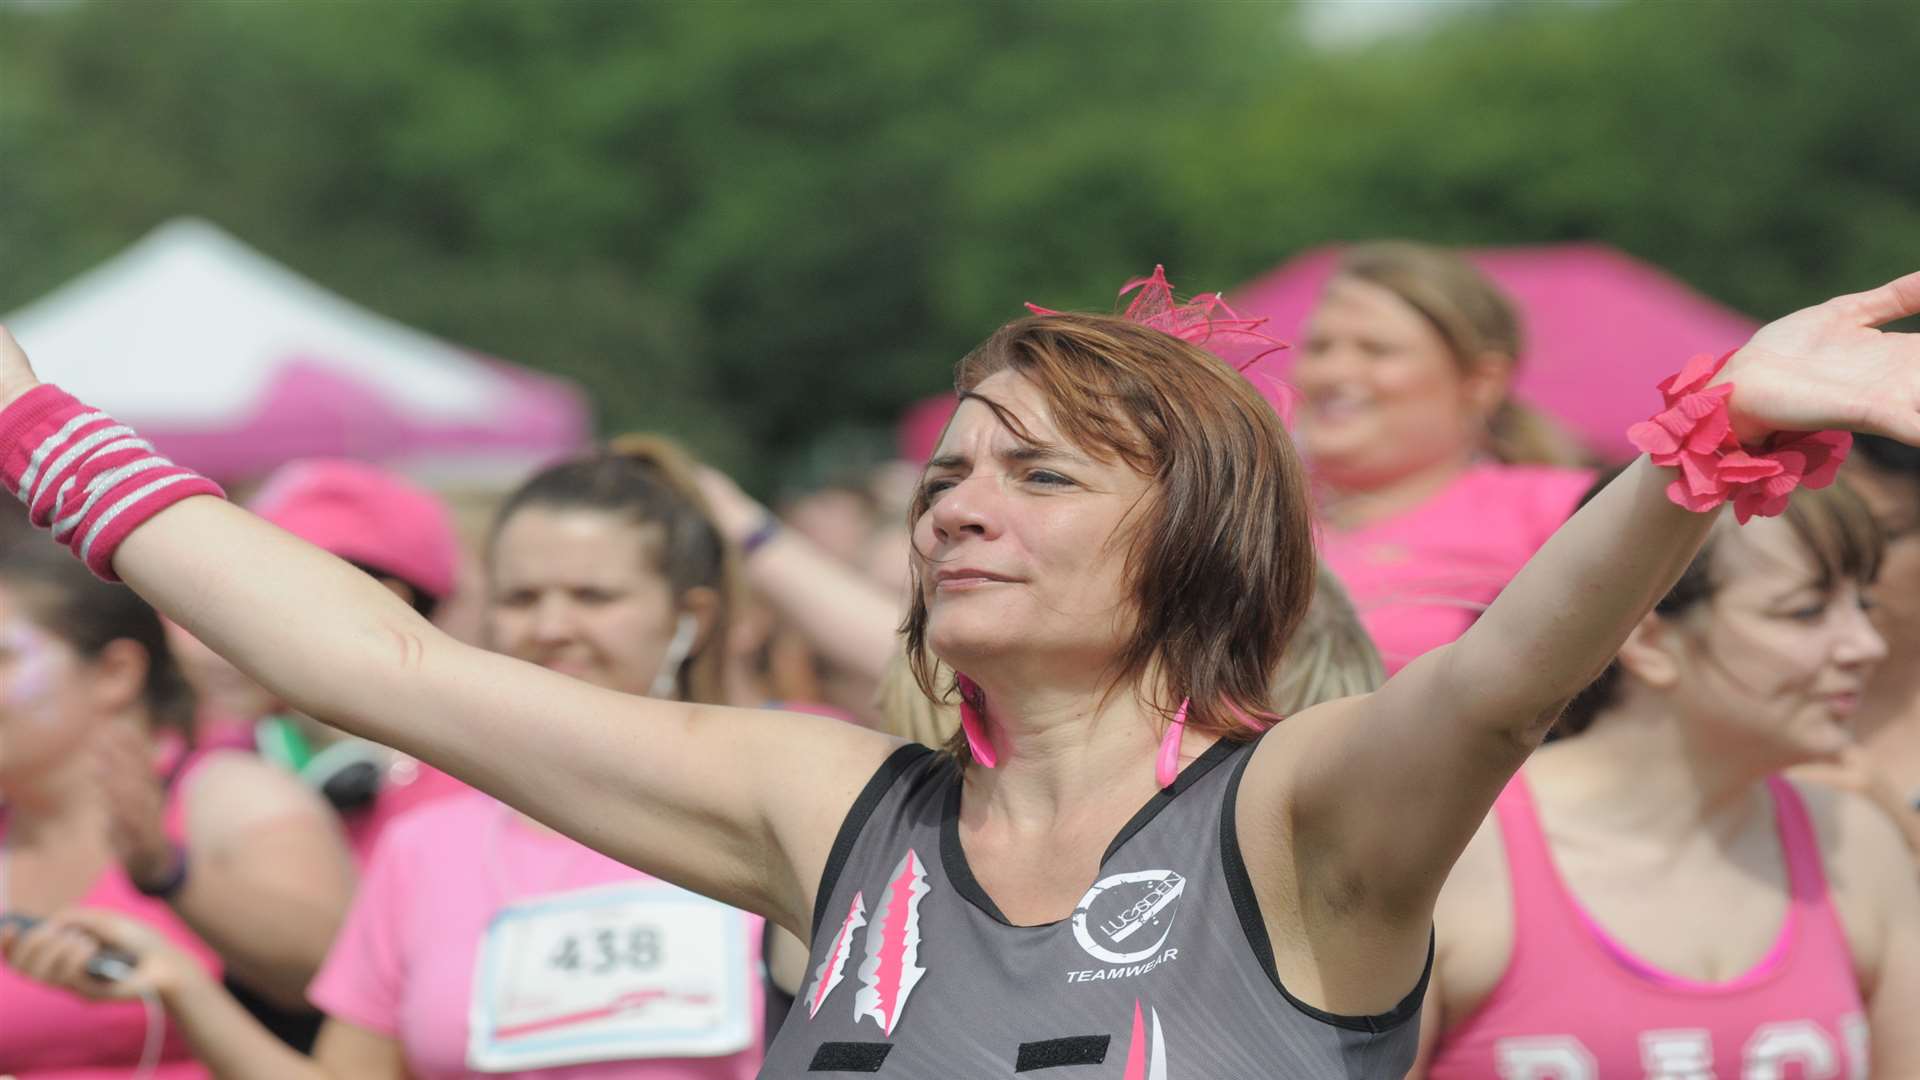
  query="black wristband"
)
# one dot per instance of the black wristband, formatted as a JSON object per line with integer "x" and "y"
{"x": 170, "y": 883}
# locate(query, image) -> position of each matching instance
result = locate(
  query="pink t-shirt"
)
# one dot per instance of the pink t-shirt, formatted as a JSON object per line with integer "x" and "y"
{"x": 1420, "y": 579}
{"x": 48, "y": 1034}
{"x": 408, "y": 960}
{"x": 1575, "y": 1004}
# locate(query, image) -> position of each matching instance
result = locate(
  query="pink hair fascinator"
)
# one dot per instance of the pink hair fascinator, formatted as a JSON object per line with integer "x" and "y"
{"x": 1206, "y": 321}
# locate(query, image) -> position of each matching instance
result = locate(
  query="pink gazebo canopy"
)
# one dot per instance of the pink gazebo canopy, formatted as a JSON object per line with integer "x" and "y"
{"x": 1601, "y": 329}
{"x": 233, "y": 364}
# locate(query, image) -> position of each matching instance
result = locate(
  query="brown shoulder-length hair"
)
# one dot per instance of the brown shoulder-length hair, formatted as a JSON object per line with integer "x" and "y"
{"x": 1219, "y": 556}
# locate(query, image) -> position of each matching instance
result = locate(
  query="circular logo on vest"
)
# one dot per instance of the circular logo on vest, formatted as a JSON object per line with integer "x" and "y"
{"x": 1125, "y": 919}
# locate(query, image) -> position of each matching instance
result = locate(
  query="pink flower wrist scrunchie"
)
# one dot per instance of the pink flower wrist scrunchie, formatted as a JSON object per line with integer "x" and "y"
{"x": 1694, "y": 434}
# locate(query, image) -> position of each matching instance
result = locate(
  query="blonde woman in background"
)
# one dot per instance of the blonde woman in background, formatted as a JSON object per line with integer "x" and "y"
{"x": 1433, "y": 484}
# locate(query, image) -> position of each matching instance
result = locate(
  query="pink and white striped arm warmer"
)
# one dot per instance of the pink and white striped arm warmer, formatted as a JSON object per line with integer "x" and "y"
{"x": 85, "y": 476}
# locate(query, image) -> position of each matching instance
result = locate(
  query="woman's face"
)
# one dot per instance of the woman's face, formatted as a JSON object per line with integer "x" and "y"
{"x": 1382, "y": 396}
{"x": 46, "y": 715}
{"x": 1021, "y": 567}
{"x": 1775, "y": 665}
{"x": 575, "y": 590}
{"x": 1896, "y": 506}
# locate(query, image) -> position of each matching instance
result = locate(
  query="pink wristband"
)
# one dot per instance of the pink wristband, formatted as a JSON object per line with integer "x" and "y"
{"x": 86, "y": 477}
{"x": 1694, "y": 434}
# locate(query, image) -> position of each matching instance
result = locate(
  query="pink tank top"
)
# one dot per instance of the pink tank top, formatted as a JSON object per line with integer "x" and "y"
{"x": 48, "y": 1034}
{"x": 1575, "y": 1004}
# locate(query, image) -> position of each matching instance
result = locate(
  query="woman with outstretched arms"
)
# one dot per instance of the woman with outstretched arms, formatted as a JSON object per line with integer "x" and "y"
{"x": 1125, "y": 857}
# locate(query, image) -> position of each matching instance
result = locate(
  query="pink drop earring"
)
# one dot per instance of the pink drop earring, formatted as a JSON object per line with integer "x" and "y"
{"x": 973, "y": 723}
{"x": 1166, "y": 768}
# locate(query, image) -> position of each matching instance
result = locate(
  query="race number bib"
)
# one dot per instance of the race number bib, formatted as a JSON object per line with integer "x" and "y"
{"x": 609, "y": 974}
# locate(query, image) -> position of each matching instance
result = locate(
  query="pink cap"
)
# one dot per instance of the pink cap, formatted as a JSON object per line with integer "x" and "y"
{"x": 367, "y": 515}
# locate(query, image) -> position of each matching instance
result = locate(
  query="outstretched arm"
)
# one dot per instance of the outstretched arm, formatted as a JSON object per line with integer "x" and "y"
{"x": 1391, "y": 786}
{"x": 1436, "y": 744}
{"x": 690, "y": 793}
{"x": 699, "y": 795}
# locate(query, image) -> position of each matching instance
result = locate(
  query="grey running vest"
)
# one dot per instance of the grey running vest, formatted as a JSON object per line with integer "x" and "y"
{"x": 1163, "y": 972}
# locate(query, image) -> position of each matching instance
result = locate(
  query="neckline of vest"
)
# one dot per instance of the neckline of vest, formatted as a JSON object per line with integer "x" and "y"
{"x": 953, "y": 856}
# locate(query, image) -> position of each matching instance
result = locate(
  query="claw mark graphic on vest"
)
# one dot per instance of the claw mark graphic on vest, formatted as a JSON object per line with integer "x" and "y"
{"x": 1146, "y": 1060}
{"x": 892, "y": 966}
{"x": 828, "y": 974}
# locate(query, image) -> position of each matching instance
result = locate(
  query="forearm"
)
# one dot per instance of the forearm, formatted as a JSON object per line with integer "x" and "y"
{"x": 321, "y": 634}
{"x": 228, "y": 1041}
{"x": 852, "y": 621}
{"x": 1564, "y": 616}
{"x": 334, "y": 644}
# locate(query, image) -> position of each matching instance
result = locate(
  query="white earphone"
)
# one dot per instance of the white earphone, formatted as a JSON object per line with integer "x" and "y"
{"x": 664, "y": 680}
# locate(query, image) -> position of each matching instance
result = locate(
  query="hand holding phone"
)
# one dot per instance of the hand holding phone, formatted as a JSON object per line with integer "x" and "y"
{"x": 108, "y": 964}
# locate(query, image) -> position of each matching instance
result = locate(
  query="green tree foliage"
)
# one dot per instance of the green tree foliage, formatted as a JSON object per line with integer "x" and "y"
{"x": 1758, "y": 150}
{"x": 761, "y": 225}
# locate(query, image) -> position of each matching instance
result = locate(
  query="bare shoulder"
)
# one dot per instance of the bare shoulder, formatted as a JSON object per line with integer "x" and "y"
{"x": 231, "y": 792}
{"x": 1293, "y": 744}
{"x": 1266, "y": 813}
{"x": 1869, "y": 869}
{"x": 1857, "y": 840}
{"x": 824, "y": 760}
{"x": 811, "y": 770}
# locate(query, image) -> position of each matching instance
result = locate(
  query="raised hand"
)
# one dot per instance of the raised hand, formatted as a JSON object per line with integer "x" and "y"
{"x": 56, "y": 951}
{"x": 1828, "y": 366}
{"x": 16, "y": 375}
{"x": 734, "y": 510}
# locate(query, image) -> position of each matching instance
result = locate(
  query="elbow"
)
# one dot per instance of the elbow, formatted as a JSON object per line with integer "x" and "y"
{"x": 287, "y": 994}
{"x": 1534, "y": 728}
{"x": 279, "y": 968}
{"x": 400, "y": 643}
{"x": 369, "y": 670}
{"x": 280, "y": 981}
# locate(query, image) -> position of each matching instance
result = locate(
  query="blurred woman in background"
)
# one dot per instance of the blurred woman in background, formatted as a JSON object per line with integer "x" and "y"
{"x": 1887, "y": 765}
{"x": 1433, "y": 484}
{"x": 86, "y": 681}
{"x": 1650, "y": 896}
{"x": 403, "y": 536}
{"x": 482, "y": 942}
